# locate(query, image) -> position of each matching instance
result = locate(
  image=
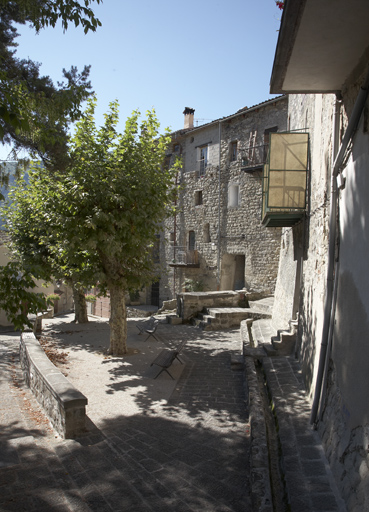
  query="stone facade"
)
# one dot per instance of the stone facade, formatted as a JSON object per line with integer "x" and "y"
{"x": 300, "y": 294}
{"x": 216, "y": 240}
{"x": 332, "y": 309}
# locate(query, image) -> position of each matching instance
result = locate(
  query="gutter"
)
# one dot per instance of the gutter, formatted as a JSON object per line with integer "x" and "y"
{"x": 332, "y": 270}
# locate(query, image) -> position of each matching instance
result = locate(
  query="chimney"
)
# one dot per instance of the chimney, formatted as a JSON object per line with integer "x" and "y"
{"x": 188, "y": 117}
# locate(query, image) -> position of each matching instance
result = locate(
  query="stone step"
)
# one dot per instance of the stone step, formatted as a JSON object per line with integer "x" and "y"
{"x": 242, "y": 313}
{"x": 263, "y": 304}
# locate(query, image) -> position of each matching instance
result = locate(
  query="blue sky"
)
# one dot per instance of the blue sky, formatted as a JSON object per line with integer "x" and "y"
{"x": 215, "y": 57}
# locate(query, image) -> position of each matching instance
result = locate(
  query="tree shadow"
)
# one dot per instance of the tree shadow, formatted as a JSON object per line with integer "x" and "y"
{"x": 136, "y": 463}
{"x": 189, "y": 453}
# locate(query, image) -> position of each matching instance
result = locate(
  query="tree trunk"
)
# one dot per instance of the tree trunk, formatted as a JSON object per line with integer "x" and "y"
{"x": 118, "y": 321}
{"x": 80, "y": 306}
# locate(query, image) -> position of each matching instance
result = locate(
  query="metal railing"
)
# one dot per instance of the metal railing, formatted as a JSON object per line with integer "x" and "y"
{"x": 182, "y": 256}
{"x": 254, "y": 156}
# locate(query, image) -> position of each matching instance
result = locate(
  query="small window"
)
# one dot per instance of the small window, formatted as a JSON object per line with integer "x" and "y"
{"x": 233, "y": 195}
{"x": 172, "y": 237}
{"x": 233, "y": 151}
{"x": 198, "y": 197}
{"x": 177, "y": 148}
{"x": 191, "y": 240}
{"x": 203, "y": 160}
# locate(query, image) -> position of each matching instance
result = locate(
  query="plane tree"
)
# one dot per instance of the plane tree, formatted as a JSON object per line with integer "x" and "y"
{"x": 36, "y": 242}
{"x": 111, "y": 202}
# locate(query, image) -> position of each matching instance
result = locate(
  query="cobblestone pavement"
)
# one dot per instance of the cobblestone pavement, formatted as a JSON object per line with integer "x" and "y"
{"x": 189, "y": 452}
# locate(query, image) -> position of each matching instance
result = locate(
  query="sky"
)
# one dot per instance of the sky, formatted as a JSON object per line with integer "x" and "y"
{"x": 213, "y": 56}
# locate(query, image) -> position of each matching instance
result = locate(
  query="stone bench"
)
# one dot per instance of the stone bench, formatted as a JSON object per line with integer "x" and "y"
{"x": 64, "y": 405}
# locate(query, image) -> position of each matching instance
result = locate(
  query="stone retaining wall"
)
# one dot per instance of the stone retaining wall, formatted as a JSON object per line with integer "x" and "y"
{"x": 62, "y": 402}
{"x": 191, "y": 303}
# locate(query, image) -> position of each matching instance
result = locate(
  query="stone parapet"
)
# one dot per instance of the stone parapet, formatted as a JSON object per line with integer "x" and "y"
{"x": 191, "y": 303}
{"x": 62, "y": 402}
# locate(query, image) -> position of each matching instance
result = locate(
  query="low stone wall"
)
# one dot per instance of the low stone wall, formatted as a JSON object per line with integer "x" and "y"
{"x": 62, "y": 402}
{"x": 191, "y": 303}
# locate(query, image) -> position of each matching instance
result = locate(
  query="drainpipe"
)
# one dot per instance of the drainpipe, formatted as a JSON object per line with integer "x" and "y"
{"x": 175, "y": 239}
{"x": 332, "y": 270}
{"x": 219, "y": 202}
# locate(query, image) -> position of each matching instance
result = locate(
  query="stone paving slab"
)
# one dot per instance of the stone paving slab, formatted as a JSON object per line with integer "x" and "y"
{"x": 152, "y": 445}
{"x": 309, "y": 482}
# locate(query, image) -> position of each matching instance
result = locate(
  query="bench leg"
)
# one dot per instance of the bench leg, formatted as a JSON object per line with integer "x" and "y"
{"x": 151, "y": 334}
{"x": 165, "y": 370}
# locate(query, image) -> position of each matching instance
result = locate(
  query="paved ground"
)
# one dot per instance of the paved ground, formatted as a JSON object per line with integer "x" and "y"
{"x": 152, "y": 444}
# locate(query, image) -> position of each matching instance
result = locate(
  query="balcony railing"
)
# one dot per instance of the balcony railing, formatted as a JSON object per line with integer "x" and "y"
{"x": 254, "y": 157}
{"x": 184, "y": 257}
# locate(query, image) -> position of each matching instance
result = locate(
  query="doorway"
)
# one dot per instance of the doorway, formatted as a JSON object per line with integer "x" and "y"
{"x": 232, "y": 272}
{"x": 155, "y": 293}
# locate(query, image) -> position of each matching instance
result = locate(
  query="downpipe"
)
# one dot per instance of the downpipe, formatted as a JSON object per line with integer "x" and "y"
{"x": 332, "y": 270}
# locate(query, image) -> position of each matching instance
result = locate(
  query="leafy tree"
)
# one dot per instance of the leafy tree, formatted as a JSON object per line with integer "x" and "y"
{"x": 111, "y": 202}
{"x": 36, "y": 241}
{"x": 16, "y": 296}
{"x": 35, "y": 113}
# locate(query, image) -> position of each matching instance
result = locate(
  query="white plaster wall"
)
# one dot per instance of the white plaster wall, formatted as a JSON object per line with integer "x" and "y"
{"x": 351, "y": 340}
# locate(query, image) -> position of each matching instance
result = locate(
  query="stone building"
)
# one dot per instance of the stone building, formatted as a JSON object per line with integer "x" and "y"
{"x": 322, "y": 61}
{"x": 216, "y": 240}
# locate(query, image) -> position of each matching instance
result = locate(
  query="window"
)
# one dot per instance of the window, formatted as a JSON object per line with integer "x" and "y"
{"x": 198, "y": 197}
{"x": 233, "y": 151}
{"x": 191, "y": 240}
{"x": 177, "y": 148}
{"x": 203, "y": 158}
{"x": 233, "y": 195}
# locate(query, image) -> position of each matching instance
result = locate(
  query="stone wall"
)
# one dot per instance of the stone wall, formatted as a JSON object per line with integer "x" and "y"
{"x": 347, "y": 450}
{"x": 301, "y": 288}
{"x": 62, "y": 402}
{"x": 189, "y": 304}
{"x": 235, "y": 250}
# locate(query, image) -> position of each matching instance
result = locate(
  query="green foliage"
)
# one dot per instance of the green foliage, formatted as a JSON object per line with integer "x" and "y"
{"x": 134, "y": 295}
{"x": 44, "y": 13}
{"x": 34, "y": 113}
{"x": 36, "y": 238}
{"x": 97, "y": 220}
{"x": 91, "y": 298}
{"x": 52, "y": 297}
{"x": 115, "y": 194}
{"x": 193, "y": 285}
{"x": 16, "y": 296}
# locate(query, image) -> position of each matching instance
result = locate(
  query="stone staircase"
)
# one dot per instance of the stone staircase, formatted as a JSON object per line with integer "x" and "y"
{"x": 260, "y": 339}
{"x": 216, "y": 318}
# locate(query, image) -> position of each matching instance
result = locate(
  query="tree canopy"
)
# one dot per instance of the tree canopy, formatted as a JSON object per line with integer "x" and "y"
{"x": 106, "y": 207}
{"x": 34, "y": 112}
{"x": 112, "y": 201}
